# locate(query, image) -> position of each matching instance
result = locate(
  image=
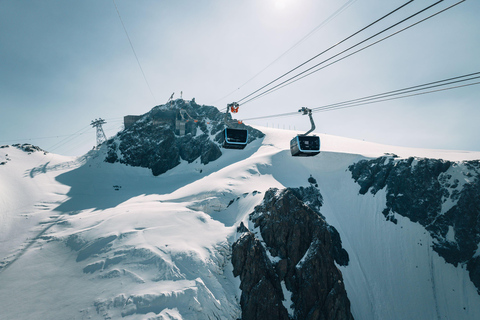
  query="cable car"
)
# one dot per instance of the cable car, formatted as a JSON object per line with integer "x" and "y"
{"x": 304, "y": 145}
{"x": 235, "y": 138}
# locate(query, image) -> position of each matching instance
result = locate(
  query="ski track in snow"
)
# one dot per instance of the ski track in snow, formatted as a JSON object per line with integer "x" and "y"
{"x": 17, "y": 254}
{"x": 187, "y": 219}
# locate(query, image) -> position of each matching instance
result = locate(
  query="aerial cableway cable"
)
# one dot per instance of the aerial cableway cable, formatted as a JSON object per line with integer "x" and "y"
{"x": 403, "y": 91}
{"x": 331, "y": 17}
{"x": 322, "y": 24}
{"x": 395, "y": 98}
{"x": 363, "y": 103}
{"x": 328, "y": 49}
{"x": 318, "y": 27}
{"x": 292, "y": 79}
{"x": 391, "y": 95}
{"x": 134, "y": 52}
{"x": 295, "y": 79}
{"x": 69, "y": 138}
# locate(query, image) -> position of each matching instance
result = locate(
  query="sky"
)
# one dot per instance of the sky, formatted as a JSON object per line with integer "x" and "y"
{"x": 64, "y": 63}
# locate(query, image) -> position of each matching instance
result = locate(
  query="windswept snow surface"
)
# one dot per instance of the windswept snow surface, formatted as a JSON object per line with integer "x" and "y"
{"x": 85, "y": 239}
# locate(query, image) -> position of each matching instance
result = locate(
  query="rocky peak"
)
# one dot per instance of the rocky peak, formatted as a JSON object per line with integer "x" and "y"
{"x": 301, "y": 247}
{"x": 167, "y": 134}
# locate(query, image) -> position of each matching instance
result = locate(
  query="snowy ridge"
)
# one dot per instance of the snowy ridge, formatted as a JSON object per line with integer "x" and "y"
{"x": 86, "y": 239}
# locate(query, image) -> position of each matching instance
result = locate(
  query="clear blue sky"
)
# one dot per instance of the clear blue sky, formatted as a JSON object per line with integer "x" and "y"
{"x": 64, "y": 63}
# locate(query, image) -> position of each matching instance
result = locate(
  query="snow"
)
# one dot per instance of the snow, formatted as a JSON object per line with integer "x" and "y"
{"x": 477, "y": 252}
{"x": 27, "y": 198}
{"x": 370, "y": 149}
{"x": 450, "y": 234}
{"x": 454, "y": 184}
{"x": 165, "y": 242}
{"x": 287, "y": 301}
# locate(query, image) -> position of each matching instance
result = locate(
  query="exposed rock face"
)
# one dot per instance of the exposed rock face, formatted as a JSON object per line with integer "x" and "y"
{"x": 303, "y": 251}
{"x": 156, "y": 141}
{"x": 442, "y": 196}
{"x": 261, "y": 291}
{"x": 27, "y": 147}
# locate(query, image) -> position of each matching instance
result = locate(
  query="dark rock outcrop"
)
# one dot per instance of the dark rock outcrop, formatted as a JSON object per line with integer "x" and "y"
{"x": 303, "y": 251}
{"x": 178, "y": 130}
{"x": 442, "y": 196}
{"x": 27, "y": 147}
{"x": 261, "y": 291}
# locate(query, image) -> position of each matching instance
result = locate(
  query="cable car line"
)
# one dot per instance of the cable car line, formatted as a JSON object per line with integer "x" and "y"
{"x": 395, "y": 98}
{"x": 394, "y": 94}
{"x": 287, "y": 114}
{"x": 308, "y": 35}
{"x": 286, "y": 83}
{"x": 400, "y": 91}
{"x": 50, "y": 137}
{"x": 69, "y": 138}
{"x": 134, "y": 52}
{"x": 338, "y": 43}
{"x": 328, "y": 49}
{"x": 292, "y": 79}
{"x": 331, "y": 17}
{"x": 362, "y": 103}
{"x": 36, "y": 138}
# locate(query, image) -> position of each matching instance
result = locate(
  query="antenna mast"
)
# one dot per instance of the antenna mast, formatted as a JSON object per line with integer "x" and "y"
{"x": 101, "y": 137}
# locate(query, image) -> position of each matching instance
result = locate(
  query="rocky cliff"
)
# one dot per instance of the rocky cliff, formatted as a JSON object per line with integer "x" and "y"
{"x": 286, "y": 261}
{"x": 442, "y": 196}
{"x": 167, "y": 134}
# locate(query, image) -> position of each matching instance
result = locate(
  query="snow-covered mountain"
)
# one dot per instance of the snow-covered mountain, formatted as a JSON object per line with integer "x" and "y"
{"x": 370, "y": 231}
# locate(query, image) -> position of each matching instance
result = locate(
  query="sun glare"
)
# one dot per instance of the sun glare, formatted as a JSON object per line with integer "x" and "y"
{"x": 281, "y": 4}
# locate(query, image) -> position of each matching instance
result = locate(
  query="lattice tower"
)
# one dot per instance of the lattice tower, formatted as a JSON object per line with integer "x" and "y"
{"x": 101, "y": 137}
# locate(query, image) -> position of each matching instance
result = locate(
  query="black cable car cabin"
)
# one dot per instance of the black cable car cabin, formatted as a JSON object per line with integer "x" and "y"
{"x": 235, "y": 138}
{"x": 305, "y": 146}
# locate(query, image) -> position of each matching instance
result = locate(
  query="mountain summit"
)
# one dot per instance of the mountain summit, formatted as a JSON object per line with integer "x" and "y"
{"x": 168, "y": 134}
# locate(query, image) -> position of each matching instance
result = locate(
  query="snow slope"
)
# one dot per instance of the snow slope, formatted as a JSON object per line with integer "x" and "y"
{"x": 85, "y": 239}
{"x": 27, "y": 194}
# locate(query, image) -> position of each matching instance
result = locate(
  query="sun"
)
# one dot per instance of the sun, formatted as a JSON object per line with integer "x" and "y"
{"x": 281, "y": 4}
